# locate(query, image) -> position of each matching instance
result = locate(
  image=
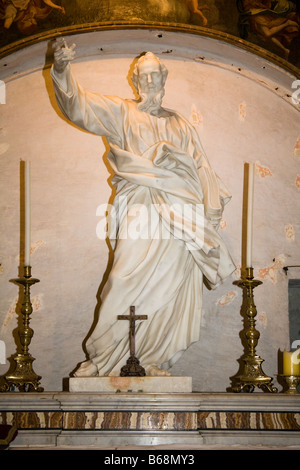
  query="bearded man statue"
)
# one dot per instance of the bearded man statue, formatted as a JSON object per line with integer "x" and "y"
{"x": 158, "y": 164}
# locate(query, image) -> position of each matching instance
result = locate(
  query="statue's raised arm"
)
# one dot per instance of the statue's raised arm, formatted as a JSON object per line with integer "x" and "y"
{"x": 92, "y": 112}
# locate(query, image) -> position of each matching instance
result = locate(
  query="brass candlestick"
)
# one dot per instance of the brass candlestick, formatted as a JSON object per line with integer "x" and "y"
{"x": 22, "y": 377}
{"x": 252, "y": 374}
{"x": 291, "y": 383}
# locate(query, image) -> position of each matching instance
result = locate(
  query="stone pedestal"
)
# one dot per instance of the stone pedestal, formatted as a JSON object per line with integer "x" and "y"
{"x": 131, "y": 384}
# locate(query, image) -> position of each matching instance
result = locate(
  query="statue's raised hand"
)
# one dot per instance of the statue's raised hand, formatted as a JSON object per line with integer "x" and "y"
{"x": 63, "y": 55}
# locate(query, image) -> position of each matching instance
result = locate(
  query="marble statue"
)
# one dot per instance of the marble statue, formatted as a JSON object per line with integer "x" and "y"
{"x": 158, "y": 164}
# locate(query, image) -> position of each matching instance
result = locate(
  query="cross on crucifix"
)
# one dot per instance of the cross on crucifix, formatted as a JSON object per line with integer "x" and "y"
{"x": 132, "y": 368}
{"x": 132, "y": 319}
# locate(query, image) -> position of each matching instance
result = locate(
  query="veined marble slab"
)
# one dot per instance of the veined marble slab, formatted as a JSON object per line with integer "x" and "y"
{"x": 131, "y": 384}
{"x": 92, "y": 420}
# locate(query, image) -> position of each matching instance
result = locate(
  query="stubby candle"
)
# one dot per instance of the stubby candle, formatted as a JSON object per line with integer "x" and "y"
{"x": 250, "y": 214}
{"x": 291, "y": 365}
{"x": 27, "y": 214}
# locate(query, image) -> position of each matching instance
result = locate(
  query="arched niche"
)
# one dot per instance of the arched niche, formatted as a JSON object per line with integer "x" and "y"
{"x": 240, "y": 100}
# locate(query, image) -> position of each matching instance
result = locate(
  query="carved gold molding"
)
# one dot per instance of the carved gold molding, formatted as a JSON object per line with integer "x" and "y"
{"x": 173, "y": 27}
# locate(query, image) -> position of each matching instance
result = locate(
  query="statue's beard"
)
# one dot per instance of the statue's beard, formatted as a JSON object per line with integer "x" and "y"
{"x": 151, "y": 102}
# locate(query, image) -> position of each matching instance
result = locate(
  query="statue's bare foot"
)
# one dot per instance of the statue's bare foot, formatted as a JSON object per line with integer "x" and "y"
{"x": 86, "y": 369}
{"x": 156, "y": 372}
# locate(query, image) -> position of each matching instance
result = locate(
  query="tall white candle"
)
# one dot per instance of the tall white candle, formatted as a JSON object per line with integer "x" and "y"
{"x": 27, "y": 213}
{"x": 250, "y": 214}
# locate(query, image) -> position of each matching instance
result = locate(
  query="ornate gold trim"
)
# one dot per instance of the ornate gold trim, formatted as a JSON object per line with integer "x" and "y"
{"x": 173, "y": 27}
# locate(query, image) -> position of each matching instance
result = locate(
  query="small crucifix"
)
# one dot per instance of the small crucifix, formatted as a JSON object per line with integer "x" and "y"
{"x": 132, "y": 367}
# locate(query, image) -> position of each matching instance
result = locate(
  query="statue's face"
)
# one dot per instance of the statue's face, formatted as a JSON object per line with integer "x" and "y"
{"x": 150, "y": 78}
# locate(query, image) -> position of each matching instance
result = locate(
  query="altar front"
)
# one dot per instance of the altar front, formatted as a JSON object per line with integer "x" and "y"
{"x": 165, "y": 420}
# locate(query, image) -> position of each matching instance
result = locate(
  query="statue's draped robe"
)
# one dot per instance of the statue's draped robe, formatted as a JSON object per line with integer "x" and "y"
{"x": 159, "y": 164}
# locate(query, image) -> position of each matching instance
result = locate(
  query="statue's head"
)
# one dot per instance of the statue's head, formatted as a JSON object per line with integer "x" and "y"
{"x": 149, "y": 74}
{"x": 149, "y": 77}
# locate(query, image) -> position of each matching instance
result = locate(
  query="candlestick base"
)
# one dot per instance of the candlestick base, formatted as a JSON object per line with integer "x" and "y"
{"x": 252, "y": 374}
{"x": 291, "y": 383}
{"x": 22, "y": 377}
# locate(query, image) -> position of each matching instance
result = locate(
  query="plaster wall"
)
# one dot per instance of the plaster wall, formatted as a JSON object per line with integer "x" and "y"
{"x": 239, "y": 117}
